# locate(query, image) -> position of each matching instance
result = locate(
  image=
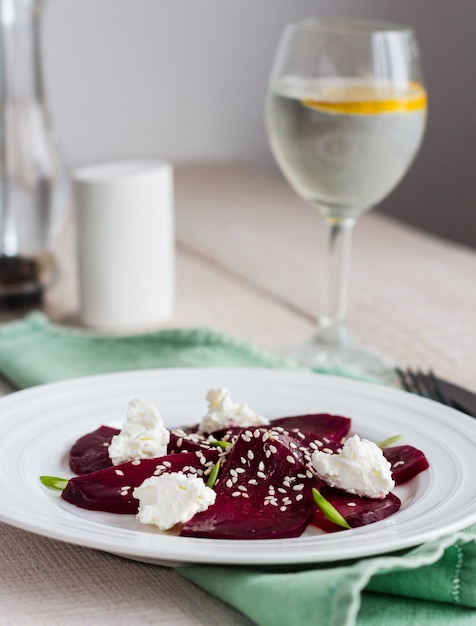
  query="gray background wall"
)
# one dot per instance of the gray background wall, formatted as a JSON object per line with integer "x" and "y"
{"x": 186, "y": 79}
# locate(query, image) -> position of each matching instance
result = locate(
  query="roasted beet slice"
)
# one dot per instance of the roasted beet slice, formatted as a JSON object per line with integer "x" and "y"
{"x": 323, "y": 427}
{"x": 406, "y": 462}
{"x": 180, "y": 441}
{"x": 264, "y": 492}
{"x": 357, "y": 510}
{"x": 90, "y": 452}
{"x": 111, "y": 489}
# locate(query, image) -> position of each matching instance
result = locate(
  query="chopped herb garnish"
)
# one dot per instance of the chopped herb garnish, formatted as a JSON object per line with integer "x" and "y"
{"x": 53, "y": 482}
{"x": 213, "y": 475}
{"x": 329, "y": 511}
{"x": 388, "y": 442}
{"x": 220, "y": 444}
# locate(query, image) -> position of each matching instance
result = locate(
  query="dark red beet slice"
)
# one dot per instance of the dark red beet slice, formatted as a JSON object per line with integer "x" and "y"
{"x": 406, "y": 462}
{"x": 90, "y": 453}
{"x": 327, "y": 429}
{"x": 184, "y": 442}
{"x": 111, "y": 489}
{"x": 264, "y": 492}
{"x": 357, "y": 510}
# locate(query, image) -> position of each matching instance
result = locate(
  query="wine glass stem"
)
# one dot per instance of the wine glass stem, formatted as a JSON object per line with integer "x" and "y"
{"x": 338, "y": 263}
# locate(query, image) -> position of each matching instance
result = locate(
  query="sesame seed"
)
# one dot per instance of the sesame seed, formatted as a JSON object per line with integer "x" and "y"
{"x": 309, "y": 474}
{"x": 273, "y": 449}
{"x": 236, "y": 494}
{"x": 293, "y": 445}
{"x": 252, "y": 481}
{"x": 265, "y": 436}
{"x": 282, "y": 508}
{"x": 313, "y": 445}
{"x": 248, "y": 433}
{"x": 119, "y": 472}
{"x": 267, "y": 454}
{"x": 273, "y": 502}
{"x": 299, "y": 487}
{"x": 351, "y": 504}
{"x": 328, "y": 450}
{"x": 299, "y": 496}
{"x": 398, "y": 463}
{"x": 281, "y": 490}
{"x": 261, "y": 474}
{"x": 250, "y": 455}
{"x": 135, "y": 462}
{"x": 229, "y": 483}
{"x": 290, "y": 459}
{"x": 261, "y": 466}
{"x": 243, "y": 460}
{"x": 246, "y": 438}
{"x": 301, "y": 435}
{"x": 245, "y": 495}
{"x": 242, "y": 488}
{"x": 239, "y": 470}
{"x": 233, "y": 472}
{"x": 179, "y": 442}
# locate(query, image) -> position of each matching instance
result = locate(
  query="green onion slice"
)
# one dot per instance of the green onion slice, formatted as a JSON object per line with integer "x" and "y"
{"x": 221, "y": 444}
{"x": 330, "y": 512}
{"x": 53, "y": 482}
{"x": 213, "y": 475}
{"x": 388, "y": 442}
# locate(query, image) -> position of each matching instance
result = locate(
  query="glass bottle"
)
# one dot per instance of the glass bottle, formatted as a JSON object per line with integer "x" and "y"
{"x": 34, "y": 187}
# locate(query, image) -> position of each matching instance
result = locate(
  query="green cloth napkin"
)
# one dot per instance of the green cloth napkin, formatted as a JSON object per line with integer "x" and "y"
{"x": 431, "y": 584}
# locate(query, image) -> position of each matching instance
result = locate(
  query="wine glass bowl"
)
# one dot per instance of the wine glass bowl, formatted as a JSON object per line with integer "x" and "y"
{"x": 345, "y": 115}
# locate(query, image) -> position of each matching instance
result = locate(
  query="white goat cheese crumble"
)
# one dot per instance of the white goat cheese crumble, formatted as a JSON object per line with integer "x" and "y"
{"x": 359, "y": 468}
{"x": 143, "y": 435}
{"x": 224, "y": 413}
{"x": 171, "y": 499}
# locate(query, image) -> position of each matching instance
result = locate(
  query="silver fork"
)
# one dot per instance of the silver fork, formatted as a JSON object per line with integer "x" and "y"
{"x": 428, "y": 385}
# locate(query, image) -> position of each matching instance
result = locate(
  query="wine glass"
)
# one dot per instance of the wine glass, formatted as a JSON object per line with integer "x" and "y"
{"x": 345, "y": 115}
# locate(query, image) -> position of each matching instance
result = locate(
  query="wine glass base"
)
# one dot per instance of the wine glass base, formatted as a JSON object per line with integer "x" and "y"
{"x": 338, "y": 353}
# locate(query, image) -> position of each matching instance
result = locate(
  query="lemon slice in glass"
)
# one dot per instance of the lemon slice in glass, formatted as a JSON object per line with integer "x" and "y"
{"x": 366, "y": 99}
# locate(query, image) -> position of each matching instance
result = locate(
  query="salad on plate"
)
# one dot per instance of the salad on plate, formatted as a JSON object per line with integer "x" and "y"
{"x": 236, "y": 474}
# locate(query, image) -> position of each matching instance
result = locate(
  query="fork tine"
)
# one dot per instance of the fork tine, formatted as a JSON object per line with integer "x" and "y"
{"x": 438, "y": 390}
{"x": 403, "y": 379}
{"x": 419, "y": 383}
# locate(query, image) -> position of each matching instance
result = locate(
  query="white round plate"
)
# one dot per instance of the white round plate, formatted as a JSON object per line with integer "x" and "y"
{"x": 38, "y": 426}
